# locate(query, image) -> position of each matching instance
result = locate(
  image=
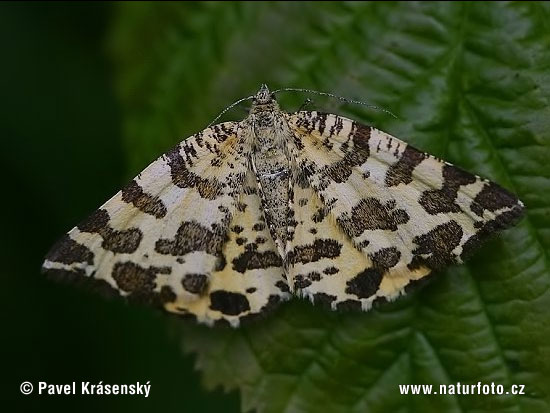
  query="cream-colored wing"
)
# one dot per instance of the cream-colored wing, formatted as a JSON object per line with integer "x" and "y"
{"x": 393, "y": 213}
{"x": 162, "y": 238}
{"x": 250, "y": 279}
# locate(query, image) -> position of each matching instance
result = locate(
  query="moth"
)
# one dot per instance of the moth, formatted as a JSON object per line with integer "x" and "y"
{"x": 244, "y": 215}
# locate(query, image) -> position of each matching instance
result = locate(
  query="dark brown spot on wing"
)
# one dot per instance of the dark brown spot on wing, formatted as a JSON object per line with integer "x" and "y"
{"x": 68, "y": 251}
{"x": 442, "y": 200}
{"x": 314, "y": 276}
{"x": 385, "y": 258}
{"x": 379, "y": 301}
{"x": 260, "y": 226}
{"x": 192, "y": 236}
{"x": 131, "y": 277}
{"x": 96, "y": 222}
{"x": 438, "y": 201}
{"x": 416, "y": 284}
{"x": 455, "y": 176}
{"x": 252, "y": 259}
{"x": 301, "y": 281}
{"x": 229, "y": 303}
{"x": 502, "y": 221}
{"x": 124, "y": 241}
{"x": 365, "y": 284}
{"x": 349, "y": 305}
{"x": 182, "y": 177}
{"x": 79, "y": 278}
{"x": 320, "y": 214}
{"x": 363, "y": 244}
{"x": 195, "y": 283}
{"x": 492, "y": 198}
{"x": 237, "y": 229}
{"x": 283, "y": 286}
{"x": 272, "y": 302}
{"x": 152, "y": 205}
{"x": 341, "y": 170}
{"x": 321, "y": 248}
{"x": 434, "y": 249}
{"x": 323, "y": 299}
{"x": 402, "y": 170}
{"x": 137, "y": 281}
{"x": 166, "y": 294}
{"x": 371, "y": 214}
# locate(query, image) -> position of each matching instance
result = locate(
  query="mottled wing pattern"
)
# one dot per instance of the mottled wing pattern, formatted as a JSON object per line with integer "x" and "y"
{"x": 322, "y": 258}
{"x": 251, "y": 279}
{"x": 374, "y": 215}
{"x": 169, "y": 237}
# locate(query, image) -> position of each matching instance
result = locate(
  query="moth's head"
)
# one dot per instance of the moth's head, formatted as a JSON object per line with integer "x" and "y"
{"x": 263, "y": 96}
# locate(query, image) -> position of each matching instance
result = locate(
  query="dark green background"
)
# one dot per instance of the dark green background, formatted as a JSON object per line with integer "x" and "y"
{"x": 91, "y": 93}
{"x": 61, "y": 157}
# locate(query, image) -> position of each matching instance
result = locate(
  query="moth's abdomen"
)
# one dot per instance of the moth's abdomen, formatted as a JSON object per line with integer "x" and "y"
{"x": 275, "y": 192}
{"x": 272, "y": 173}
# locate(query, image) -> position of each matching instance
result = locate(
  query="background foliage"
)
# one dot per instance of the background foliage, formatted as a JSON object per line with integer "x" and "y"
{"x": 469, "y": 82}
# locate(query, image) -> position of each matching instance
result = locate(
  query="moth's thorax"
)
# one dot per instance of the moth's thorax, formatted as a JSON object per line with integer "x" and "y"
{"x": 264, "y": 114}
{"x": 272, "y": 166}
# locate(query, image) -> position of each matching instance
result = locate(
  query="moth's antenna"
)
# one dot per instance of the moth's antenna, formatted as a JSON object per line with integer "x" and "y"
{"x": 343, "y": 99}
{"x": 229, "y": 107}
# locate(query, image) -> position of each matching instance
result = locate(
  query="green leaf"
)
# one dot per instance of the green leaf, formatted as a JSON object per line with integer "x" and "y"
{"x": 470, "y": 83}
